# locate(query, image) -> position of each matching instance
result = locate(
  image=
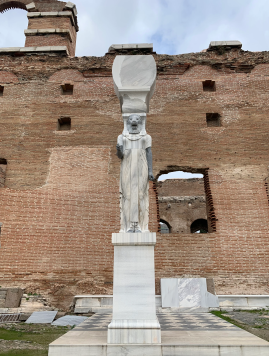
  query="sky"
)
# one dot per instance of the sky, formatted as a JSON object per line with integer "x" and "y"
{"x": 173, "y": 26}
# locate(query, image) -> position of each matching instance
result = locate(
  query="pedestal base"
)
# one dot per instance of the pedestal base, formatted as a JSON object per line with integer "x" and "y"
{"x": 134, "y": 332}
{"x": 134, "y": 336}
{"x": 134, "y": 312}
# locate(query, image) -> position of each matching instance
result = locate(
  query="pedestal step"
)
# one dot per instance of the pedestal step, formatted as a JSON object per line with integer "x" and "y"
{"x": 182, "y": 335}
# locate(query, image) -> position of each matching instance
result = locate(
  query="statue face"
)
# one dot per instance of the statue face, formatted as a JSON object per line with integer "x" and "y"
{"x": 134, "y": 124}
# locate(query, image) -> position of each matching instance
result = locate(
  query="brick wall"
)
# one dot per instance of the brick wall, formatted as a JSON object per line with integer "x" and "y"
{"x": 63, "y": 39}
{"x": 59, "y": 205}
{"x": 181, "y": 187}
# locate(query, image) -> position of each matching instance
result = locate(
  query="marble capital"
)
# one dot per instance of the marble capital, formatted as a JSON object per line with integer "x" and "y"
{"x": 134, "y": 82}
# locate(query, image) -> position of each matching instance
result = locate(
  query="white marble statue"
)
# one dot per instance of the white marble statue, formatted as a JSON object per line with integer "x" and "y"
{"x": 134, "y": 150}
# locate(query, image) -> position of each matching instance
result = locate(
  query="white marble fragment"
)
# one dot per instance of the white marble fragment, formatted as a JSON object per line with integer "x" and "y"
{"x": 69, "y": 320}
{"x": 187, "y": 293}
{"x": 134, "y": 82}
{"x": 43, "y": 317}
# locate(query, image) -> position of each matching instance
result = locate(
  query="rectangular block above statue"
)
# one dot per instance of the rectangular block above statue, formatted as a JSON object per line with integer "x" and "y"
{"x": 134, "y": 82}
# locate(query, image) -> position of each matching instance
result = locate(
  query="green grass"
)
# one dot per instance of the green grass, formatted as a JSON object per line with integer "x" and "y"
{"x": 43, "y": 336}
{"x": 219, "y": 314}
{"x": 37, "y": 333}
{"x": 25, "y": 353}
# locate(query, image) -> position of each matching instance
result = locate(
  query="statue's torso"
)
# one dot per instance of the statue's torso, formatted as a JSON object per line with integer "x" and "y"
{"x": 134, "y": 141}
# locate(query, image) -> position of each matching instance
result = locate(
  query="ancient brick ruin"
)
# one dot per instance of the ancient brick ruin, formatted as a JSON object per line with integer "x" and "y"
{"x": 59, "y": 121}
{"x": 182, "y": 204}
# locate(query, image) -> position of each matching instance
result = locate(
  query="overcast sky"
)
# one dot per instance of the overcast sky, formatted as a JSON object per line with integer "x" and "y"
{"x": 173, "y": 26}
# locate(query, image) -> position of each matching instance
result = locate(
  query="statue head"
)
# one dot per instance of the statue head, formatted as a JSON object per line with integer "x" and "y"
{"x": 134, "y": 124}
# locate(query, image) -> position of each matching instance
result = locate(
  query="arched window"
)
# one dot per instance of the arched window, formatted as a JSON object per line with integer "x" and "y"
{"x": 10, "y": 5}
{"x": 199, "y": 226}
{"x": 165, "y": 227}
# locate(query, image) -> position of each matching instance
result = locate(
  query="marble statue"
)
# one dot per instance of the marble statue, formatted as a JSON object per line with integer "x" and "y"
{"x": 134, "y": 319}
{"x": 134, "y": 150}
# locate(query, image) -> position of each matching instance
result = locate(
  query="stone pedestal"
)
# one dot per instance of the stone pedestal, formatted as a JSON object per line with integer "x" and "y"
{"x": 134, "y": 313}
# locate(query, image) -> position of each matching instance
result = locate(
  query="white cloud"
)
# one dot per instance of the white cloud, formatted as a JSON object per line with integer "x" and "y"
{"x": 174, "y": 26}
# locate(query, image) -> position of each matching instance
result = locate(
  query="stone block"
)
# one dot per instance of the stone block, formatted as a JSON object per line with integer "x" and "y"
{"x": 134, "y": 311}
{"x": 187, "y": 293}
{"x": 106, "y": 302}
{"x": 244, "y": 301}
{"x": 43, "y": 49}
{"x": 33, "y": 14}
{"x": 145, "y": 238}
{"x": 131, "y": 46}
{"x": 13, "y": 297}
{"x": 65, "y": 13}
{"x": 10, "y": 49}
{"x": 210, "y": 286}
{"x": 30, "y": 32}
{"x": 44, "y": 317}
{"x": 169, "y": 290}
{"x": 30, "y": 7}
{"x": 24, "y": 316}
{"x": 71, "y": 6}
{"x": 225, "y": 43}
{"x": 50, "y": 14}
{"x": 69, "y": 320}
{"x": 134, "y": 82}
{"x": 88, "y": 302}
{"x": 47, "y": 30}
{"x": 27, "y": 49}
{"x": 59, "y": 48}
{"x": 2, "y": 303}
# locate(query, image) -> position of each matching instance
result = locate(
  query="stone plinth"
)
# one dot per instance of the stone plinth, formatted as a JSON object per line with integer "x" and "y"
{"x": 134, "y": 312}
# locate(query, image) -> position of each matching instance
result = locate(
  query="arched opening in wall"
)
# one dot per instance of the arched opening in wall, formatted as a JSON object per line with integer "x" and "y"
{"x": 165, "y": 227}
{"x": 12, "y": 24}
{"x": 184, "y": 197}
{"x": 199, "y": 226}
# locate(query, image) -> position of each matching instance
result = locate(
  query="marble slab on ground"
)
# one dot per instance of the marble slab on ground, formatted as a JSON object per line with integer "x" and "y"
{"x": 187, "y": 293}
{"x": 44, "y": 317}
{"x": 182, "y": 335}
{"x": 69, "y": 320}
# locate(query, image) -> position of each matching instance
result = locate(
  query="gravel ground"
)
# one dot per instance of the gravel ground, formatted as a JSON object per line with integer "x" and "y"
{"x": 7, "y": 345}
{"x": 255, "y": 322}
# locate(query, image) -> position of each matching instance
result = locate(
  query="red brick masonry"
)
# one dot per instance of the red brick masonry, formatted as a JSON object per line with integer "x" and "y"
{"x": 59, "y": 204}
